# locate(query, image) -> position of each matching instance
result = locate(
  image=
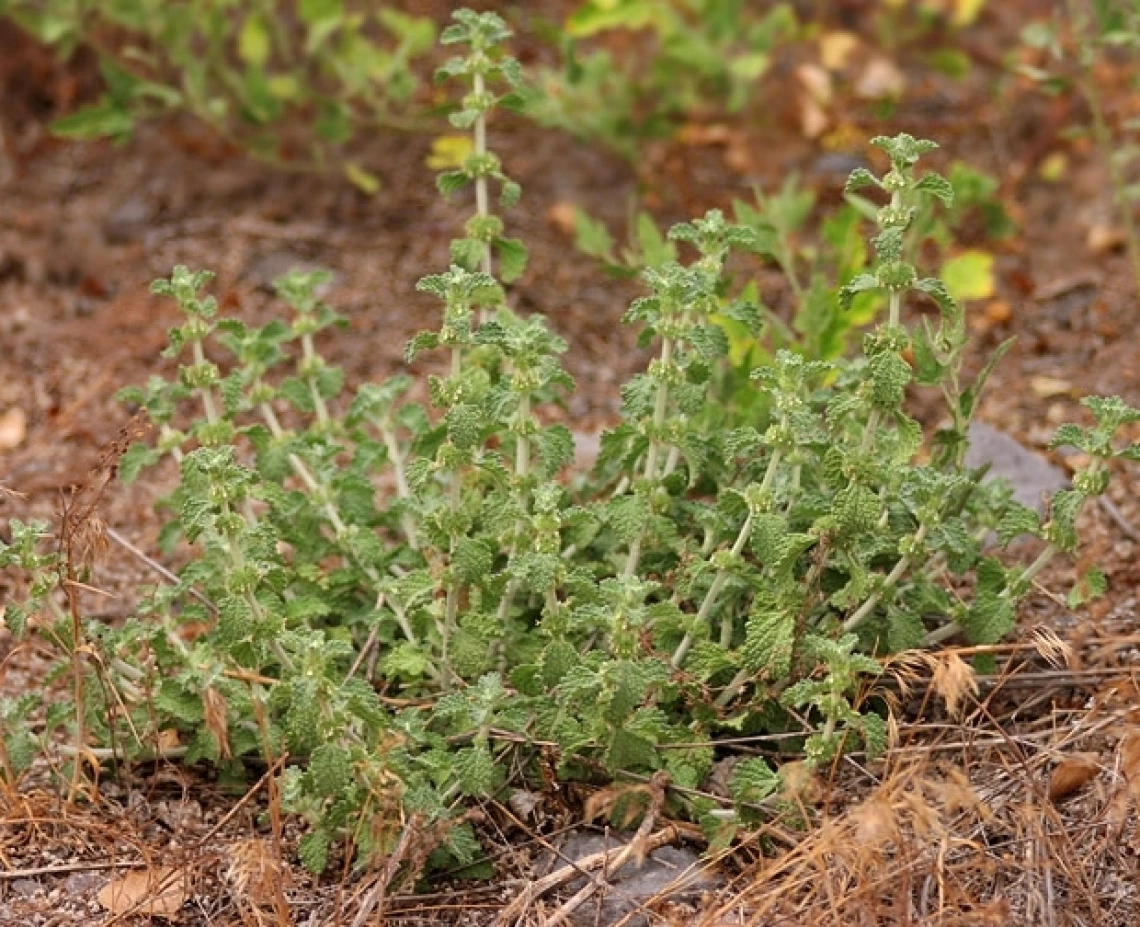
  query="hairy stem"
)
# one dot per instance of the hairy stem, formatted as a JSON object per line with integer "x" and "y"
{"x": 861, "y": 614}
{"x": 660, "y": 408}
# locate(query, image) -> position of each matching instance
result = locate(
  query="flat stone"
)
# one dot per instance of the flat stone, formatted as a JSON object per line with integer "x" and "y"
{"x": 587, "y": 446}
{"x": 25, "y": 888}
{"x": 1032, "y": 477}
{"x": 677, "y": 870}
{"x": 84, "y": 883}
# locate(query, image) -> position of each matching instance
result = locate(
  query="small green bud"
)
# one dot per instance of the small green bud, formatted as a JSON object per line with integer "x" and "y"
{"x": 1091, "y": 482}
{"x": 310, "y": 367}
{"x": 305, "y": 325}
{"x": 484, "y": 228}
{"x": 758, "y": 499}
{"x": 893, "y": 216}
{"x": 911, "y": 548}
{"x": 480, "y": 102}
{"x": 723, "y": 560}
{"x": 199, "y": 376}
{"x": 486, "y": 165}
{"x": 896, "y": 276}
{"x": 216, "y": 434}
{"x": 230, "y": 524}
{"x": 261, "y": 392}
{"x": 894, "y": 181}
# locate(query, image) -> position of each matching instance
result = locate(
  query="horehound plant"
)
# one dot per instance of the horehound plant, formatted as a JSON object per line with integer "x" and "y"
{"x": 408, "y": 600}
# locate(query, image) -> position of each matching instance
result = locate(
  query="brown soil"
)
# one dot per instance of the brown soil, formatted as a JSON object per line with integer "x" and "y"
{"x": 85, "y": 227}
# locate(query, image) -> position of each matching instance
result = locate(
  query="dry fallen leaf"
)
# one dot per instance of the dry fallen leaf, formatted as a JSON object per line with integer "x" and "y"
{"x": 836, "y": 49}
{"x": 13, "y": 428}
{"x": 998, "y": 311}
{"x": 1046, "y": 387}
{"x": 563, "y": 215}
{"x": 168, "y": 739}
{"x": 524, "y": 803}
{"x": 738, "y": 157}
{"x": 159, "y": 892}
{"x": 880, "y": 80}
{"x": 816, "y": 81}
{"x": 1130, "y": 763}
{"x": 1104, "y": 238}
{"x": 1073, "y": 774}
{"x": 1116, "y": 813}
{"x": 1124, "y": 799}
{"x": 813, "y": 119}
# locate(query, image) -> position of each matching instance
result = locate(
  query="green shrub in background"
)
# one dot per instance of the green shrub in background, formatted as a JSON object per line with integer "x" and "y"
{"x": 408, "y": 599}
{"x": 681, "y": 56}
{"x": 1100, "y": 32}
{"x": 291, "y": 80}
{"x": 294, "y": 81}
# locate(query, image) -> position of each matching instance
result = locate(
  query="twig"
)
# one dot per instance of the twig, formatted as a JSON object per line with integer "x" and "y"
{"x": 1117, "y": 516}
{"x": 375, "y": 896}
{"x": 61, "y": 868}
{"x": 364, "y": 651}
{"x": 642, "y": 844}
{"x": 155, "y": 565}
{"x": 244, "y": 800}
{"x": 636, "y": 848}
{"x": 605, "y": 858}
{"x": 112, "y": 753}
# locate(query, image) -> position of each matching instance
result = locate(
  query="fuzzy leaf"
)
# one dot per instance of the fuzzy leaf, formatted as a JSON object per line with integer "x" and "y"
{"x": 512, "y": 256}
{"x": 630, "y": 751}
{"x": 768, "y": 643}
{"x": 472, "y": 560}
{"x": 137, "y": 458}
{"x": 476, "y": 771}
{"x": 858, "y": 178}
{"x": 753, "y": 781}
{"x": 450, "y": 182}
{"x": 856, "y": 509}
{"x": 860, "y": 284}
{"x": 313, "y": 851}
{"x": 330, "y": 770}
{"x": 1018, "y": 519}
{"x": 939, "y": 186}
{"x": 873, "y": 730}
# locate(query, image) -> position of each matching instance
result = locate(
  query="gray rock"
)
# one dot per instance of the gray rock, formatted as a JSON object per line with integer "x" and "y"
{"x": 587, "y": 446}
{"x": 1032, "y": 476}
{"x": 669, "y": 873}
{"x": 26, "y": 888}
{"x": 84, "y": 883}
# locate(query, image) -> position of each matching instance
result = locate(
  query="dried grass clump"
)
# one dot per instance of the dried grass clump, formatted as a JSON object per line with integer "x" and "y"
{"x": 995, "y": 819}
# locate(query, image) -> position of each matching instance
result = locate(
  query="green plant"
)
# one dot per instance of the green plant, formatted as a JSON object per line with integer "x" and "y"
{"x": 1101, "y": 30}
{"x": 291, "y": 81}
{"x": 669, "y": 58}
{"x": 816, "y": 264}
{"x": 405, "y": 599}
